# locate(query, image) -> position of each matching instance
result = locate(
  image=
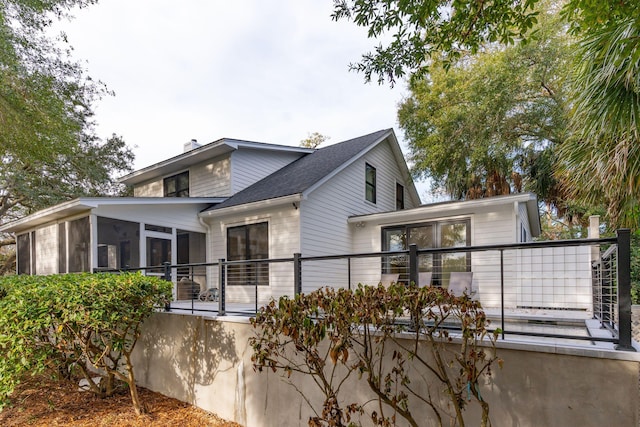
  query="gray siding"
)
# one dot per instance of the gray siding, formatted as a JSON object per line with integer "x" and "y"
{"x": 224, "y": 175}
{"x": 184, "y": 217}
{"x": 250, "y": 166}
{"x": 152, "y": 188}
{"x": 211, "y": 178}
{"x": 284, "y": 241}
{"x": 324, "y": 214}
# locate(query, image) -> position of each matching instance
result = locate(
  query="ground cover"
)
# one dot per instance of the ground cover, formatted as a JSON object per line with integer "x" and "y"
{"x": 40, "y": 401}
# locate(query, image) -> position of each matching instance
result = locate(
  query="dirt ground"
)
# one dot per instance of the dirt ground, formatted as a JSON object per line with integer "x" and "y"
{"x": 42, "y": 402}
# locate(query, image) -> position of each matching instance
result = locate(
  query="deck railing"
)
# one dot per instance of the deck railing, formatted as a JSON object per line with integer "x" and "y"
{"x": 528, "y": 289}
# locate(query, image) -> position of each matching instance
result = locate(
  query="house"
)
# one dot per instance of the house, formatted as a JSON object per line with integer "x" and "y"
{"x": 240, "y": 200}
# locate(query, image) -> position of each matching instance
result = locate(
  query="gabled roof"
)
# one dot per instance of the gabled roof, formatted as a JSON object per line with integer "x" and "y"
{"x": 307, "y": 172}
{"x": 209, "y": 151}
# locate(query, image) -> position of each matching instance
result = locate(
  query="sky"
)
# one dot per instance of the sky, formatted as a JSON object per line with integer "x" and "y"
{"x": 261, "y": 70}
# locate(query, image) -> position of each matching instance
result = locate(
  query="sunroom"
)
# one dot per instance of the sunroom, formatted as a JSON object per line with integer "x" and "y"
{"x": 93, "y": 234}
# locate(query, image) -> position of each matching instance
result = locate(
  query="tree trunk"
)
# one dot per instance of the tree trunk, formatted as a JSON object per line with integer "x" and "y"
{"x": 138, "y": 407}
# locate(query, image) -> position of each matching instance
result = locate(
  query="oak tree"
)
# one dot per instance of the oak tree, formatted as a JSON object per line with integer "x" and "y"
{"x": 49, "y": 151}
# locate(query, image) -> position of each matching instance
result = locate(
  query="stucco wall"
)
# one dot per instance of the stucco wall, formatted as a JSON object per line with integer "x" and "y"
{"x": 207, "y": 362}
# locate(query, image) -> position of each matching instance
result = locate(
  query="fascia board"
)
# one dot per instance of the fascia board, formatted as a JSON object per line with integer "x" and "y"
{"x": 444, "y": 209}
{"x": 82, "y": 204}
{"x": 248, "y": 207}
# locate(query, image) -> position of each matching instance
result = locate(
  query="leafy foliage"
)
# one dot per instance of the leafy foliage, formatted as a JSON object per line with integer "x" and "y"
{"x": 314, "y": 140}
{"x": 602, "y": 158}
{"x": 49, "y": 151}
{"x": 395, "y": 339}
{"x": 489, "y": 123}
{"x": 74, "y": 321}
{"x": 598, "y": 163}
{"x": 421, "y": 29}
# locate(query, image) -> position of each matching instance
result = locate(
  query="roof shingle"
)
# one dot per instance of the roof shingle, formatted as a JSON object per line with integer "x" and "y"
{"x": 303, "y": 173}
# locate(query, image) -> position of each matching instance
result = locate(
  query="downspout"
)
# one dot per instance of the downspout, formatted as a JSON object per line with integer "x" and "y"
{"x": 208, "y": 250}
{"x": 516, "y": 210}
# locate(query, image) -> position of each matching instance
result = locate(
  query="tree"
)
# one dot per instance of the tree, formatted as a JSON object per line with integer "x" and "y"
{"x": 313, "y": 140}
{"x": 489, "y": 123}
{"x": 606, "y": 75}
{"x": 49, "y": 151}
{"x": 602, "y": 158}
{"x": 421, "y": 29}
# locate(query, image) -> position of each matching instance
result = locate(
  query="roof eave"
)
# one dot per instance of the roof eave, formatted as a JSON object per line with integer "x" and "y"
{"x": 201, "y": 154}
{"x": 454, "y": 208}
{"x": 84, "y": 204}
{"x": 246, "y": 207}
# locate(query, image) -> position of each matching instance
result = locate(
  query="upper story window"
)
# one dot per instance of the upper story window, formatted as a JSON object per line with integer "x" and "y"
{"x": 370, "y": 183}
{"x": 177, "y": 185}
{"x": 399, "y": 196}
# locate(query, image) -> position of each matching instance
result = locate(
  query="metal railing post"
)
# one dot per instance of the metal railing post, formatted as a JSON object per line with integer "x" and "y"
{"x": 297, "y": 274}
{"x": 167, "y": 271}
{"x": 221, "y": 285}
{"x": 413, "y": 263}
{"x": 167, "y": 277}
{"x": 502, "y": 291}
{"x": 624, "y": 290}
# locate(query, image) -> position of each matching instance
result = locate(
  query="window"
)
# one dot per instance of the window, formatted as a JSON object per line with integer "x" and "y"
{"x": 248, "y": 242}
{"x": 78, "y": 243}
{"x": 443, "y": 234}
{"x": 370, "y": 183}
{"x": 118, "y": 243}
{"x": 177, "y": 185}
{"x": 62, "y": 247}
{"x": 158, "y": 228}
{"x": 24, "y": 253}
{"x": 399, "y": 196}
{"x": 524, "y": 236}
{"x": 158, "y": 251}
{"x": 191, "y": 247}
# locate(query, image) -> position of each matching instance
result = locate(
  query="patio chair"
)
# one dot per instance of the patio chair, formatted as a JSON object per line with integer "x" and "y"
{"x": 460, "y": 282}
{"x": 424, "y": 279}
{"x": 387, "y": 279}
{"x": 187, "y": 289}
{"x": 210, "y": 294}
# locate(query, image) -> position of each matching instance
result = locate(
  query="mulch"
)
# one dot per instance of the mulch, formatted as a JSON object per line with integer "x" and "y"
{"x": 40, "y": 401}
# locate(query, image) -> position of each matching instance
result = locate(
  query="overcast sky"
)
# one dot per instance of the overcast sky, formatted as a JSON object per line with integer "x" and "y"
{"x": 261, "y": 70}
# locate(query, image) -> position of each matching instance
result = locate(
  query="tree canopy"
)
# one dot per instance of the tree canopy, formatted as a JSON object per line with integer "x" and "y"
{"x": 49, "y": 151}
{"x": 420, "y": 29}
{"x": 598, "y": 163}
{"x": 314, "y": 140}
{"x": 602, "y": 157}
{"x": 489, "y": 123}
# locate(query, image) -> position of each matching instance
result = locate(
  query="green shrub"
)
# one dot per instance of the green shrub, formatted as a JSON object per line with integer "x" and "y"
{"x": 74, "y": 321}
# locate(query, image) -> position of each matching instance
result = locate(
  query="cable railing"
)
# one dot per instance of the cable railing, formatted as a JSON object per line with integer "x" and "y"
{"x": 547, "y": 289}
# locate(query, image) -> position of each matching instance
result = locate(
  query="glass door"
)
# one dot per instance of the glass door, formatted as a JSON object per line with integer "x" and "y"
{"x": 158, "y": 252}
